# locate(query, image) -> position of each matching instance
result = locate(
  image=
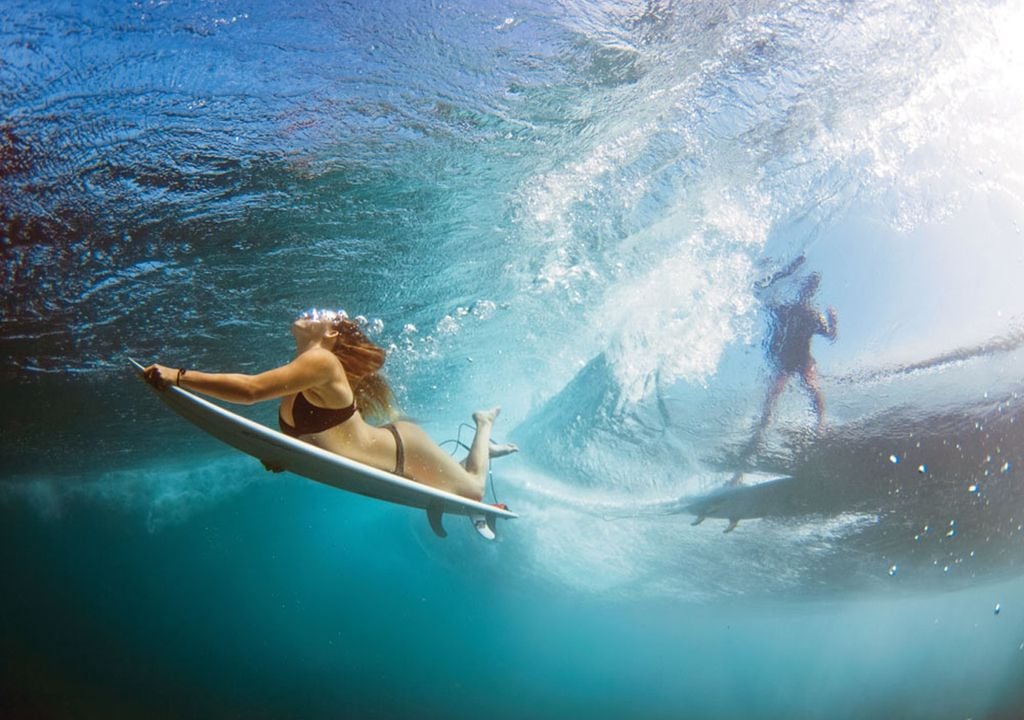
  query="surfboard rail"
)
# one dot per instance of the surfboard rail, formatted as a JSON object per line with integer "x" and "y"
{"x": 279, "y": 451}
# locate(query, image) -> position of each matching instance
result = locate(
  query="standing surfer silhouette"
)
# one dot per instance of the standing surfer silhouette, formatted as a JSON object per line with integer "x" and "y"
{"x": 793, "y": 326}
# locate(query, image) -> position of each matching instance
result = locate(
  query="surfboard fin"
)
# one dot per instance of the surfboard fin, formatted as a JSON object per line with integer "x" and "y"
{"x": 699, "y": 519}
{"x": 732, "y": 525}
{"x": 434, "y": 514}
{"x": 484, "y": 525}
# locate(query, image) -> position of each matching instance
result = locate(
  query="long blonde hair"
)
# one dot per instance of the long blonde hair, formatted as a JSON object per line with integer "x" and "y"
{"x": 363, "y": 360}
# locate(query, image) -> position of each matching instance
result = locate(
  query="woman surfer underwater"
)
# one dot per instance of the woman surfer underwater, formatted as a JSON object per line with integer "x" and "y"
{"x": 324, "y": 391}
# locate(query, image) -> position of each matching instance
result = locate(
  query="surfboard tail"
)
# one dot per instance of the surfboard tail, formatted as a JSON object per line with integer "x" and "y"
{"x": 485, "y": 524}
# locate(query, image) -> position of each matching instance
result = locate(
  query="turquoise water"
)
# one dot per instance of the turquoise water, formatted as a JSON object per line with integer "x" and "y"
{"x": 580, "y": 211}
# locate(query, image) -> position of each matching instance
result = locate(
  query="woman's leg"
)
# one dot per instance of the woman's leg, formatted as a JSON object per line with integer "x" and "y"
{"x": 428, "y": 463}
{"x": 479, "y": 458}
{"x": 778, "y": 385}
{"x": 809, "y": 376}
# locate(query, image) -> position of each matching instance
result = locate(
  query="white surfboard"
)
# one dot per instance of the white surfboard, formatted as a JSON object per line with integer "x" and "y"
{"x": 287, "y": 453}
{"x": 769, "y": 495}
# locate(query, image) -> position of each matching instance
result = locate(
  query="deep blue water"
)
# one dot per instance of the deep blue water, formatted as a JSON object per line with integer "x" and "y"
{"x": 583, "y": 212}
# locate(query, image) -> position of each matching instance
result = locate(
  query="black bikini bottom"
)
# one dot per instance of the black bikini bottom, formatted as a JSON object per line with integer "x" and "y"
{"x": 399, "y": 450}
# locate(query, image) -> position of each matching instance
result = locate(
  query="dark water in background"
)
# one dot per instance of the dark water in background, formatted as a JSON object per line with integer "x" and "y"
{"x": 571, "y": 210}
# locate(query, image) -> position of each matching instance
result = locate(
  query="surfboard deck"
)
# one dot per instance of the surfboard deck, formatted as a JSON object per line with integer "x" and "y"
{"x": 278, "y": 450}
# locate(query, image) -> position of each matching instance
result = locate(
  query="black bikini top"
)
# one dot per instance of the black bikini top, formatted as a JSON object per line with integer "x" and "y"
{"x": 310, "y": 418}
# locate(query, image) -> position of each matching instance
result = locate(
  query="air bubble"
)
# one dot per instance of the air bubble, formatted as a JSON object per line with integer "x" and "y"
{"x": 894, "y": 459}
{"x": 892, "y": 570}
{"x": 998, "y": 608}
{"x": 922, "y": 469}
{"x": 972, "y": 488}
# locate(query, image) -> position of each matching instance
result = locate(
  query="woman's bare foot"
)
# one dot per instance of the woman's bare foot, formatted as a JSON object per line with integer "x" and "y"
{"x": 486, "y": 417}
{"x": 498, "y": 450}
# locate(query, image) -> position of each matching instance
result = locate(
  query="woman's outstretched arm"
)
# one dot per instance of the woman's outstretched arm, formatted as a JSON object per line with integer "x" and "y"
{"x": 311, "y": 368}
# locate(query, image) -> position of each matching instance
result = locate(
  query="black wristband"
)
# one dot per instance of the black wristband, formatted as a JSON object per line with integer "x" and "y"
{"x": 181, "y": 374}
